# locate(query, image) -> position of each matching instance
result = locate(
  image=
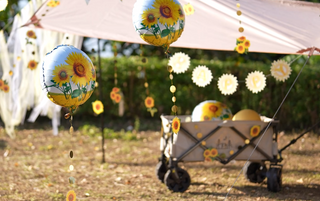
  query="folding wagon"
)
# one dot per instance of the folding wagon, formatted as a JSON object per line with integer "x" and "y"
{"x": 222, "y": 141}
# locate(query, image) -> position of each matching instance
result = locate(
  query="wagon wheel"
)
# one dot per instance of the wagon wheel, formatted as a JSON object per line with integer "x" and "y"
{"x": 255, "y": 172}
{"x": 179, "y": 184}
{"x": 274, "y": 182}
{"x": 161, "y": 170}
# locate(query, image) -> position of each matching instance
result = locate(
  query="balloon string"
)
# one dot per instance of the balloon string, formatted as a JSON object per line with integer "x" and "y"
{"x": 268, "y": 126}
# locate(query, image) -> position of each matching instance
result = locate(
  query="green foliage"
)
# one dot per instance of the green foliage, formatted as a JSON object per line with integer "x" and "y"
{"x": 93, "y": 131}
{"x": 300, "y": 109}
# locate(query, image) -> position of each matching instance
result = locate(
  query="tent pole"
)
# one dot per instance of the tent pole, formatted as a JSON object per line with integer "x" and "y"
{"x": 101, "y": 97}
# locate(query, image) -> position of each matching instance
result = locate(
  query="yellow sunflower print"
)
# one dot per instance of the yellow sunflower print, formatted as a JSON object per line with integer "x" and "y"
{"x": 32, "y": 65}
{"x": 181, "y": 14}
{"x": 1, "y": 84}
{"x": 255, "y": 130}
{"x": 6, "y": 88}
{"x": 61, "y": 75}
{"x": 168, "y": 11}
{"x": 31, "y": 34}
{"x": 150, "y": 17}
{"x": 80, "y": 68}
{"x": 211, "y": 110}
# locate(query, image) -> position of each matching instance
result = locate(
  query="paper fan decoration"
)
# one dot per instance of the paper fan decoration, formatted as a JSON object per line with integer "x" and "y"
{"x": 180, "y": 62}
{"x": 280, "y": 70}
{"x": 227, "y": 84}
{"x": 201, "y": 76}
{"x": 256, "y": 81}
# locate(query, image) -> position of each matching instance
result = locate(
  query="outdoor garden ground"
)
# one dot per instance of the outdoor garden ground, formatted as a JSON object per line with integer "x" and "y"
{"x": 35, "y": 166}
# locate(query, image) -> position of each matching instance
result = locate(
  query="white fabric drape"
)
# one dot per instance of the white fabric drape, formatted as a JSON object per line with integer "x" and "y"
{"x": 25, "y": 83}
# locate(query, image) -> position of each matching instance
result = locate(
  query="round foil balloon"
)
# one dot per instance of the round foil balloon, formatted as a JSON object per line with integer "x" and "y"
{"x": 158, "y": 22}
{"x": 246, "y": 115}
{"x": 211, "y": 110}
{"x": 68, "y": 76}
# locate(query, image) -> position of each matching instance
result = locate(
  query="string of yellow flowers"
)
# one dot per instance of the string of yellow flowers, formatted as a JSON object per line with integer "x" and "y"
{"x": 115, "y": 93}
{"x": 149, "y": 101}
{"x": 242, "y": 44}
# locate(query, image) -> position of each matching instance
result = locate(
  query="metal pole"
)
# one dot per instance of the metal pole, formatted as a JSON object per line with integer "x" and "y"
{"x": 101, "y": 97}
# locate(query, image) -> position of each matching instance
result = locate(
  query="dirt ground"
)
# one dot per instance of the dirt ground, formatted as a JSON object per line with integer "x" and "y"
{"x": 35, "y": 166}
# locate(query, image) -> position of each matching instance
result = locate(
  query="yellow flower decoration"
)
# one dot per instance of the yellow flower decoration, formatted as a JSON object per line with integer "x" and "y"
{"x": 97, "y": 107}
{"x": 206, "y": 153}
{"x": 32, "y": 64}
{"x": 149, "y": 102}
{"x": 213, "y": 152}
{"x": 240, "y": 48}
{"x": 255, "y": 130}
{"x": 208, "y": 159}
{"x": 280, "y": 70}
{"x": 150, "y": 17}
{"x": 180, "y": 62}
{"x": 201, "y": 76}
{"x": 175, "y": 125}
{"x": 188, "y": 9}
{"x": 71, "y": 196}
{"x": 210, "y": 110}
{"x": 1, "y": 84}
{"x": 31, "y": 34}
{"x": 53, "y": 3}
{"x": 80, "y": 68}
{"x": 241, "y": 39}
{"x": 113, "y": 95}
{"x": 6, "y": 88}
{"x": 168, "y": 11}
{"x": 117, "y": 98}
{"x": 246, "y": 44}
{"x": 227, "y": 84}
{"x": 256, "y": 81}
{"x": 61, "y": 75}
{"x": 115, "y": 89}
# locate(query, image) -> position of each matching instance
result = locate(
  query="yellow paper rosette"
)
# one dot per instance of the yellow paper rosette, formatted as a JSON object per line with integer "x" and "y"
{"x": 201, "y": 76}
{"x": 280, "y": 70}
{"x": 227, "y": 84}
{"x": 256, "y": 81}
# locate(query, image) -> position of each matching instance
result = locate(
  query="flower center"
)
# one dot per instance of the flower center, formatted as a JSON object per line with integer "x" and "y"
{"x": 175, "y": 125}
{"x": 165, "y": 11}
{"x": 240, "y": 47}
{"x": 70, "y": 198}
{"x": 151, "y": 18}
{"x": 97, "y": 107}
{"x": 213, "y": 108}
{"x": 63, "y": 75}
{"x": 79, "y": 69}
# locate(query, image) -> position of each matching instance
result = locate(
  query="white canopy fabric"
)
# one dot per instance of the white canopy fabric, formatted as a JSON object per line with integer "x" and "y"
{"x": 272, "y": 26}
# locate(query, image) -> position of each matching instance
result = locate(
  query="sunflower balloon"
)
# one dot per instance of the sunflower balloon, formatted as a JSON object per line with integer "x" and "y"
{"x": 158, "y": 22}
{"x": 211, "y": 110}
{"x": 68, "y": 76}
